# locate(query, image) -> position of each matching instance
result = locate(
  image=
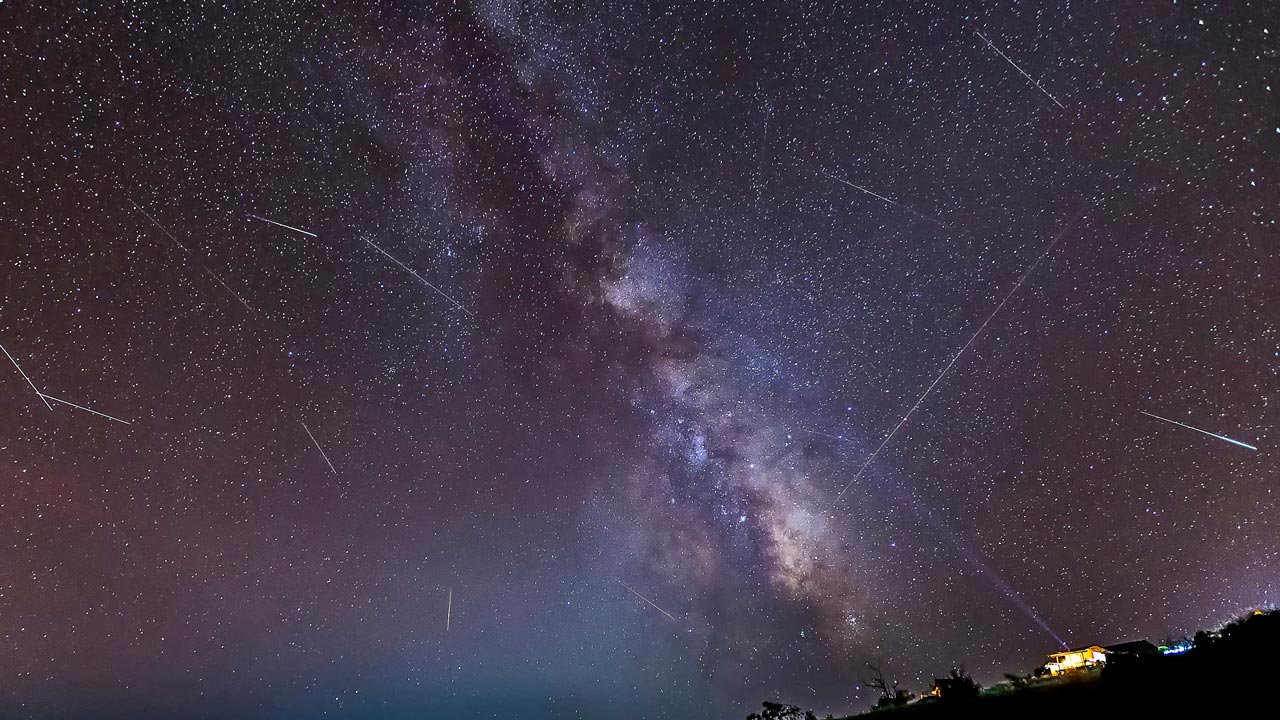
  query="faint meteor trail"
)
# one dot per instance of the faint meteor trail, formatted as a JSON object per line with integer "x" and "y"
{"x": 24, "y": 377}
{"x": 233, "y": 292}
{"x": 81, "y": 407}
{"x": 290, "y": 227}
{"x": 945, "y": 370}
{"x": 158, "y": 225}
{"x": 448, "y": 611}
{"x": 651, "y": 603}
{"x": 322, "y": 453}
{"x": 1024, "y": 74}
{"x": 421, "y": 279}
{"x": 898, "y": 205}
{"x": 821, "y": 434}
{"x": 1206, "y": 432}
{"x": 764, "y": 147}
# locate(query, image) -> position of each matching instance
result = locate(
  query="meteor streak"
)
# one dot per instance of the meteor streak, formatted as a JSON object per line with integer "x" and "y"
{"x": 158, "y": 225}
{"x": 900, "y": 206}
{"x": 448, "y": 611}
{"x": 290, "y": 227}
{"x": 1206, "y": 432}
{"x": 651, "y": 603}
{"x": 1024, "y": 74}
{"x": 24, "y": 377}
{"x": 764, "y": 147}
{"x": 233, "y": 292}
{"x": 421, "y": 279}
{"x": 821, "y": 434}
{"x": 322, "y": 454}
{"x": 81, "y": 407}
{"x": 947, "y": 369}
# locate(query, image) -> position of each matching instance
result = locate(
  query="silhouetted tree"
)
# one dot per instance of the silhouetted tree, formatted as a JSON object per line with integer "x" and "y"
{"x": 1202, "y": 640}
{"x": 1171, "y": 642}
{"x": 779, "y": 711}
{"x": 890, "y": 695}
{"x": 957, "y": 686}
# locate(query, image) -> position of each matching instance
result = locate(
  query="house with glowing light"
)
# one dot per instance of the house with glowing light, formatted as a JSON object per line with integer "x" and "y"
{"x": 1078, "y": 659}
{"x": 1095, "y": 656}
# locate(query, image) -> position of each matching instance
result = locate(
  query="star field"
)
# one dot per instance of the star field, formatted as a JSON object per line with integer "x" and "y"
{"x": 512, "y": 359}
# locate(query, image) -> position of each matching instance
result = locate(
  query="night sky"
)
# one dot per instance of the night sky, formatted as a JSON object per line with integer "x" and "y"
{"x": 543, "y": 404}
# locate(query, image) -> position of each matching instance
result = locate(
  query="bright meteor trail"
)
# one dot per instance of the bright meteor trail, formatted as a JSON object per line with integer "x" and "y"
{"x": 421, "y": 279}
{"x": 946, "y": 369}
{"x": 46, "y": 398}
{"x": 1206, "y": 432}
{"x": 290, "y": 227}
{"x": 1024, "y": 72}
{"x": 24, "y": 377}
{"x": 322, "y": 452}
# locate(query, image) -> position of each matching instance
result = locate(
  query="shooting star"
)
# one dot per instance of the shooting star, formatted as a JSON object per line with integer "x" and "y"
{"x": 290, "y": 227}
{"x": 158, "y": 225}
{"x": 1206, "y": 432}
{"x": 81, "y": 407}
{"x": 651, "y": 603}
{"x": 320, "y": 449}
{"x": 763, "y": 152}
{"x": 24, "y": 377}
{"x": 821, "y": 434}
{"x": 233, "y": 292}
{"x": 448, "y": 611}
{"x": 945, "y": 370}
{"x": 420, "y": 278}
{"x": 322, "y": 453}
{"x": 900, "y": 206}
{"x": 1024, "y": 74}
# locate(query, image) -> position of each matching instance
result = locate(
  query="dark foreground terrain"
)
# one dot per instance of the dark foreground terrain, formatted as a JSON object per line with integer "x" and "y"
{"x": 1229, "y": 673}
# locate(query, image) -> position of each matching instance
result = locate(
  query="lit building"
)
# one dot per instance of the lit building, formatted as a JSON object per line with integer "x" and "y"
{"x": 1096, "y": 655}
{"x": 1078, "y": 659}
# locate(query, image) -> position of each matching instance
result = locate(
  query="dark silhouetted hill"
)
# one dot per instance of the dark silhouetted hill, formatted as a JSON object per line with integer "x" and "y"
{"x": 1228, "y": 673}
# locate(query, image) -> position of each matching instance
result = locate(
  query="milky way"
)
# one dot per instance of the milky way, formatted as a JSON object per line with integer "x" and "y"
{"x": 548, "y": 360}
